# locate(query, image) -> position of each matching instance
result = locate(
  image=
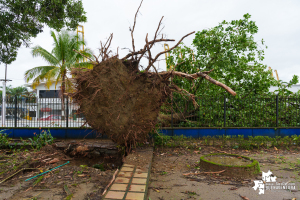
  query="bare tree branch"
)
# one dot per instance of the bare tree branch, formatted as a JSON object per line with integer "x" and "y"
{"x": 133, "y": 47}
{"x": 196, "y": 75}
{"x": 103, "y": 51}
{"x": 191, "y": 96}
{"x": 155, "y": 35}
{"x": 142, "y": 51}
{"x": 168, "y": 50}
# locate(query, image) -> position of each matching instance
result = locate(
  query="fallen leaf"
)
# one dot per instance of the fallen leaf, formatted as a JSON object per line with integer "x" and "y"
{"x": 233, "y": 188}
{"x": 55, "y": 160}
{"x": 244, "y": 197}
{"x": 275, "y": 149}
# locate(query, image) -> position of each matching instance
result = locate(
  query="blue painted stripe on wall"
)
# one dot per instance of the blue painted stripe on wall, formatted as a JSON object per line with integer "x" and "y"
{"x": 62, "y": 133}
{"x": 236, "y": 132}
{"x": 289, "y": 132}
{"x": 211, "y": 132}
{"x": 265, "y": 132}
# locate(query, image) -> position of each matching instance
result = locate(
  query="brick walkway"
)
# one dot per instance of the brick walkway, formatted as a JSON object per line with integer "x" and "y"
{"x": 131, "y": 183}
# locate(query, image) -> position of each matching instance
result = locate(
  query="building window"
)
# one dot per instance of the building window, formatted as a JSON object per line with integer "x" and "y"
{"x": 49, "y": 94}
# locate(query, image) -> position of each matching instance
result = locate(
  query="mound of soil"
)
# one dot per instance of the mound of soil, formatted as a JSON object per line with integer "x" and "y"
{"x": 119, "y": 100}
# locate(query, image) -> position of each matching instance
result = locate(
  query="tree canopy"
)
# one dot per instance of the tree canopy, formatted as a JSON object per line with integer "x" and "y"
{"x": 22, "y": 20}
{"x": 17, "y": 91}
{"x": 231, "y": 54}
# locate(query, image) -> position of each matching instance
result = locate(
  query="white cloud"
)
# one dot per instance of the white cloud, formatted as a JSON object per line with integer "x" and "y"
{"x": 278, "y": 23}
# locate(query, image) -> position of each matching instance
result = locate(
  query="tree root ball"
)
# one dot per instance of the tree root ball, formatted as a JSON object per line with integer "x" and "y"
{"x": 119, "y": 100}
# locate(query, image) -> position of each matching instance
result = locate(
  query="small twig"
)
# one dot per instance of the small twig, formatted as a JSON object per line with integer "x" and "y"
{"x": 204, "y": 173}
{"x": 106, "y": 48}
{"x": 112, "y": 180}
{"x": 96, "y": 59}
{"x": 28, "y": 189}
{"x": 12, "y": 175}
{"x": 244, "y": 197}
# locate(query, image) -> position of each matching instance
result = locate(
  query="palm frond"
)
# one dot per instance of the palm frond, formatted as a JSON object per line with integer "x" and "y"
{"x": 37, "y": 71}
{"x": 51, "y": 75}
{"x": 48, "y": 57}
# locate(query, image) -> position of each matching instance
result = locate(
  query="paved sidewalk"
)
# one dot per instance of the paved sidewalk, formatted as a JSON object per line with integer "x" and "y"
{"x": 132, "y": 181}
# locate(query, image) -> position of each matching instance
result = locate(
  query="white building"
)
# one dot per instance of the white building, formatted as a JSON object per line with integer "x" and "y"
{"x": 48, "y": 101}
{"x": 293, "y": 88}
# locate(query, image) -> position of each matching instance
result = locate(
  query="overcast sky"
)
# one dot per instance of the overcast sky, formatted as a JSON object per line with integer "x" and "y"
{"x": 278, "y": 24}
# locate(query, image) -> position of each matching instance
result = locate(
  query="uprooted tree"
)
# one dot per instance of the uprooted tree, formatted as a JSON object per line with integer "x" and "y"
{"x": 122, "y": 101}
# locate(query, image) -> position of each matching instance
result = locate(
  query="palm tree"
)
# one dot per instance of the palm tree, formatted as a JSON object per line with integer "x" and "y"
{"x": 61, "y": 61}
{"x": 17, "y": 91}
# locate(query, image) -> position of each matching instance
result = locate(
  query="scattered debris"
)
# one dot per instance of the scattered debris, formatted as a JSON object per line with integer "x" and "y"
{"x": 204, "y": 173}
{"x": 233, "y": 188}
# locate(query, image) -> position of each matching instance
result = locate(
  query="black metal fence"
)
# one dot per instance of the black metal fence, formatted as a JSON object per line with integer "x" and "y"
{"x": 41, "y": 112}
{"x": 229, "y": 111}
{"x": 217, "y": 111}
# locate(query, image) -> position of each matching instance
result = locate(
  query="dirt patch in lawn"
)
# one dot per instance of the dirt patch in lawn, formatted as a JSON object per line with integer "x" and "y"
{"x": 175, "y": 174}
{"x": 87, "y": 173}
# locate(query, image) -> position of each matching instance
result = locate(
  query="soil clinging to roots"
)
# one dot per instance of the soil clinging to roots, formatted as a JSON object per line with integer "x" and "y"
{"x": 123, "y": 102}
{"x": 119, "y": 100}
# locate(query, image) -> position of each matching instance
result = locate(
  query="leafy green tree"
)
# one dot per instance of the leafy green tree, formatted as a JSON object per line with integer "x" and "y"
{"x": 230, "y": 54}
{"x": 17, "y": 91}
{"x": 61, "y": 61}
{"x": 22, "y": 20}
{"x": 231, "y": 51}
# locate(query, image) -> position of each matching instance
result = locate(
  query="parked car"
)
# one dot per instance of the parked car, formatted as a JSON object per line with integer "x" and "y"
{"x": 51, "y": 117}
{"x": 10, "y": 117}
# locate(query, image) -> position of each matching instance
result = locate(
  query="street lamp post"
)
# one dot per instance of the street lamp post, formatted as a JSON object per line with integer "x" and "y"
{"x": 3, "y": 97}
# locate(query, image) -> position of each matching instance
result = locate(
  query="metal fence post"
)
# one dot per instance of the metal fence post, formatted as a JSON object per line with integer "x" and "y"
{"x": 277, "y": 110}
{"x": 224, "y": 110}
{"x": 67, "y": 114}
{"x": 172, "y": 114}
{"x": 16, "y": 111}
